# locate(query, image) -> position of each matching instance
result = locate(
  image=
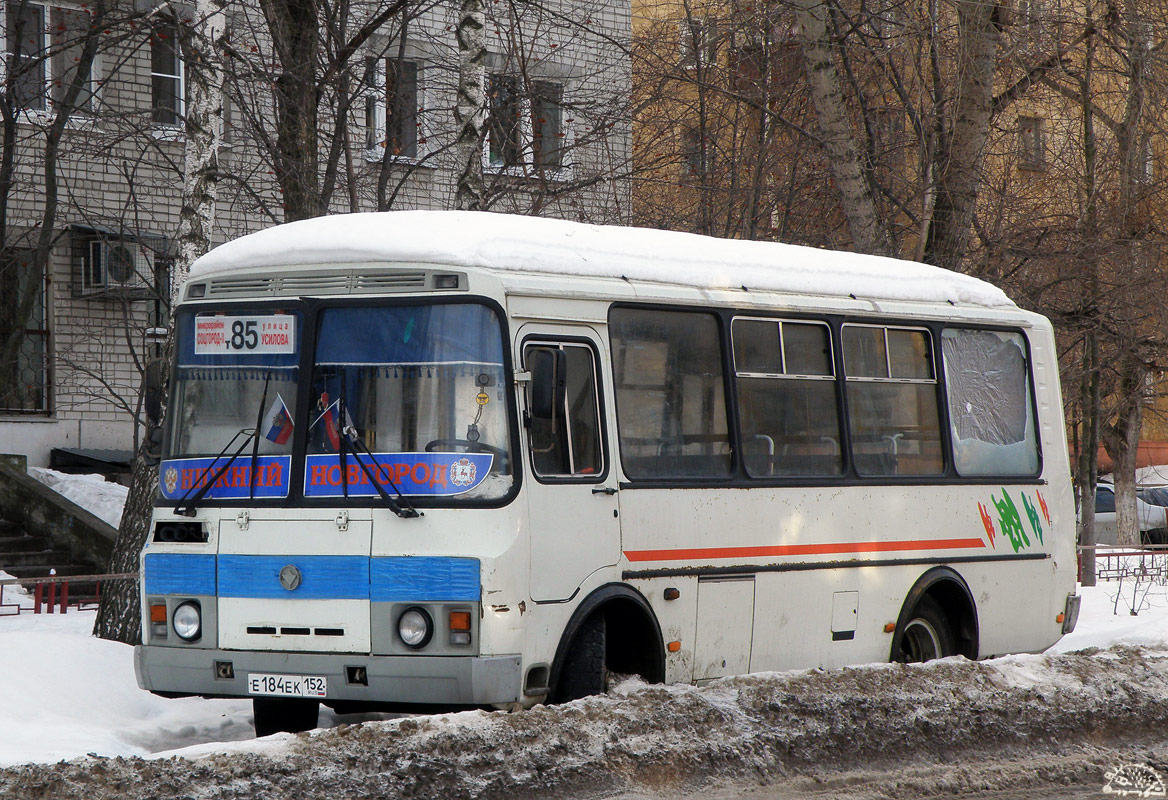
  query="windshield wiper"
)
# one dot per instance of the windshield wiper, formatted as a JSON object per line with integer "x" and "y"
{"x": 403, "y": 509}
{"x": 255, "y": 448}
{"x": 187, "y": 508}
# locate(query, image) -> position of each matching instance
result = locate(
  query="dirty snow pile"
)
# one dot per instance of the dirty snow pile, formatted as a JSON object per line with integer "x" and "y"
{"x": 94, "y": 493}
{"x": 66, "y": 695}
{"x": 753, "y": 728}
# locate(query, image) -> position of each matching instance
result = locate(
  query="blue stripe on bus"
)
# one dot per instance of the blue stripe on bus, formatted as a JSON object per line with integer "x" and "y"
{"x": 424, "y": 579}
{"x": 179, "y": 573}
{"x": 388, "y": 579}
{"x": 324, "y": 577}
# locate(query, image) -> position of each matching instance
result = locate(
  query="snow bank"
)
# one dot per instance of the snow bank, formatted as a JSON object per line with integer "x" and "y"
{"x": 530, "y": 244}
{"x": 92, "y": 492}
{"x": 663, "y": 739}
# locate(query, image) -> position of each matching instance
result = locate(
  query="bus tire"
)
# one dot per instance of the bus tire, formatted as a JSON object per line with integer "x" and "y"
{"x": 584, "y": 672}
{"x": 926, "y": 634}
{"x": 284, "y": 715}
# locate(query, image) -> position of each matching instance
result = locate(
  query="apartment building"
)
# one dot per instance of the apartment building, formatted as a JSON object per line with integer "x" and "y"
{"x": 92, "y": 144}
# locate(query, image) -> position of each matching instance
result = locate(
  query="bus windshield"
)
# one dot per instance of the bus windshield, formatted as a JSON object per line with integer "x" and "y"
{"x": 409, "y": 397}
{"x": 402, "y": 401}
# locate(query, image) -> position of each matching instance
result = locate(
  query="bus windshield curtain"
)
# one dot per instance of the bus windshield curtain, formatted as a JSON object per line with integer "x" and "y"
{"x": 410, "y": 336}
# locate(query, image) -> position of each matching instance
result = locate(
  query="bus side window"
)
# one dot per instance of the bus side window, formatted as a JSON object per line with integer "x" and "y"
{"x": 565, "y": 436}
{"x": 991, "y": 416}
{"x": 892, "y": 400}
{"x": 670, "y": 393}
{"x": 786, "y": 397}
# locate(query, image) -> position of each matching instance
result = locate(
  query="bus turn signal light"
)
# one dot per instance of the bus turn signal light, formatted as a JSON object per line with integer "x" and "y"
{"x": 889, "y": 627}
{"x": 460, "y": 627}
{"x": 674, "y": 646}
{"x": 158, "y": 626}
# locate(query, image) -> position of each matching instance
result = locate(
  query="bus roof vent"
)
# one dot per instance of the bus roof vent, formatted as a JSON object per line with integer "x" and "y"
{"x": 298, "y": 284}
{"x": 239, "y": 287}
{"x": 390, "y": 282}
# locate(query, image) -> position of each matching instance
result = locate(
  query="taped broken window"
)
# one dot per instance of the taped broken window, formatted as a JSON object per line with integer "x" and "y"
{"x": 990, "y": 411}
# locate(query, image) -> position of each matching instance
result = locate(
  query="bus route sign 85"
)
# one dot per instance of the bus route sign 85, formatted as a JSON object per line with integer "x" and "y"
{"x": 220, "y": 333}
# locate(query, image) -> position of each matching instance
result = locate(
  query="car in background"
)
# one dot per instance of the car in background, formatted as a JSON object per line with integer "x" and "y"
{"x": 1156, "y": 496}
{"x": 1153, "y": 518}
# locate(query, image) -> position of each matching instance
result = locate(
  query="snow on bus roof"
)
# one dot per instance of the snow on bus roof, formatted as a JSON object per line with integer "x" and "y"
{"x": 507, "y": 242}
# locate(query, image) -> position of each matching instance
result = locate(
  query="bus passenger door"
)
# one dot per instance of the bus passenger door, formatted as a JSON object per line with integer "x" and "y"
{"x": 571, "y": 493}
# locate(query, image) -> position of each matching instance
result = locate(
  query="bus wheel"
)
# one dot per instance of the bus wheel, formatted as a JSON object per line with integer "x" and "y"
{"x": 926, "y": 635}
{"x": 284, "y": 715}
{"x": 584, "y": 672}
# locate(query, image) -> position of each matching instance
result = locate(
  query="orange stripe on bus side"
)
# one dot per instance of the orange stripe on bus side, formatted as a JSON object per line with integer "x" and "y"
{"x": 690, "y": 554}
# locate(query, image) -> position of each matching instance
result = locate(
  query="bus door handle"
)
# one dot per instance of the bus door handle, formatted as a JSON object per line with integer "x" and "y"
{"x": 609, "y": 490}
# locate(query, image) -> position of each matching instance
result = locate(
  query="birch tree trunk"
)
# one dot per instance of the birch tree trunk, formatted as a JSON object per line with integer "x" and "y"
{"x": 471, "y": 106}
{"x": 852, "y": 179}
{"x": 118, "y": 616}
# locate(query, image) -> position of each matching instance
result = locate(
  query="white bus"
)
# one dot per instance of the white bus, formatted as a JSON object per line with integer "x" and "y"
{"x": 442, "y": 459}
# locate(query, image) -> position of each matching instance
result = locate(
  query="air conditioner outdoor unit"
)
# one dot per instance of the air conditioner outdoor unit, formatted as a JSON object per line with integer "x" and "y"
{"x": 119, "y": 267}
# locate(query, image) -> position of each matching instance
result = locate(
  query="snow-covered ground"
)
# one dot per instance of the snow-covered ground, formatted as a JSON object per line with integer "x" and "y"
{"x": 65, "y": 694}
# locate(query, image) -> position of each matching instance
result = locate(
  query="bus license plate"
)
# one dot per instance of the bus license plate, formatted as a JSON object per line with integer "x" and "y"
{"x": 287, "y": 685}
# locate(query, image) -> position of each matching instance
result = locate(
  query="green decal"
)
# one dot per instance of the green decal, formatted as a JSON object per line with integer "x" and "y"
{"x": 1010, "y": 521}
{"x": 1032, "y": 515}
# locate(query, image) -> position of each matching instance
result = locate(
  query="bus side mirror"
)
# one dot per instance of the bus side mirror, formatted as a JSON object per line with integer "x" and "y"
{"x": 547, "y": 381}
{"x": 152, "y": 394}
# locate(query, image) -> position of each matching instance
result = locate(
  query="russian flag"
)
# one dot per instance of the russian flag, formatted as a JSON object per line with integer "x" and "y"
{"x": 278, "y": 422}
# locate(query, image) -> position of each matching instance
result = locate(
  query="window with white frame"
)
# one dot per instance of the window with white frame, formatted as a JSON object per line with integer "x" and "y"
{"x": 699, "y": 41}
{"x": 167, "y": 76}
{"x": 1032, "y": 143}
{"x": 43, "y": 53}
{"x": 394, "y": 108}
{"x": 526, "y": 127}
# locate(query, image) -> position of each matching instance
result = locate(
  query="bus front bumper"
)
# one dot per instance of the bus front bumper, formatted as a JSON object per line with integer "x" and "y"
{"x": 451, "y": 680}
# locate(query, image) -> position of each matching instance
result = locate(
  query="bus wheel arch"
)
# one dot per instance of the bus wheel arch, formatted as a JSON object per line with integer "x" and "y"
{"x": 939, "y": 608}
{"x": 614, "y": 627}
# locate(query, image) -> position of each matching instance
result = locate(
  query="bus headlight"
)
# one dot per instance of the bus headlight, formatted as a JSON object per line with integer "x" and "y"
{"x": 187, "y": 621}
{"x": 415, "y": 627}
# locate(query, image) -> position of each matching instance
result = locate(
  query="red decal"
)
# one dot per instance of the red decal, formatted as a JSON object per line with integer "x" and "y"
{"x": 987, "y": 522}
{"x": 1042, "y": 505}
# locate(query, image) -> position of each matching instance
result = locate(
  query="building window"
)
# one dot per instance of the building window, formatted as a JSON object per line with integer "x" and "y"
{"x": 168, "y": 84}
{"x": 24, "y": 378}
{"x": 1030, "y": 13}
{"x": 27, "y": 38}
{"x": 504, "y": 127}
{"x": 1032, "y": 143}
{"x": 393, "y": 108}
{"x": 44, "y": 46}
{"x": 699, "y": 42}
{"x": 547, "y": 125}
{"x": 691, "y": 152}
{"x": 526, "y": 128}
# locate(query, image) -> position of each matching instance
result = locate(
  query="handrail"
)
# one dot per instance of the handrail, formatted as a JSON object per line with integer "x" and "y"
{"x": 67, "y": 578}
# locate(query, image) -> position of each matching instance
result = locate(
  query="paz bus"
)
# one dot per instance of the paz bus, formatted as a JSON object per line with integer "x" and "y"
{"x": 456, "y": 459}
